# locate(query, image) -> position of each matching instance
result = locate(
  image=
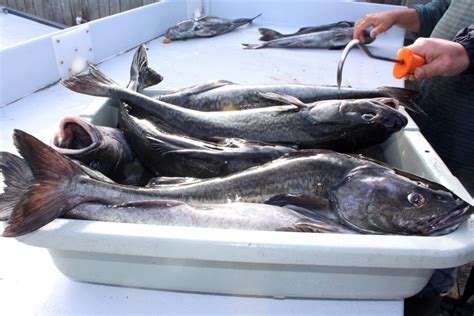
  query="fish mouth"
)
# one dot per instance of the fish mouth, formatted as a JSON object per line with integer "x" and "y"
{"x": 75, "y": 136}
{"x": 450, "y": 219}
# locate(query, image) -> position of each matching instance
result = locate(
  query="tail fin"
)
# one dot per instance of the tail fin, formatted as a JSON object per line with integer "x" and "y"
{"x": 92, "y": 83}
{"x": 269, "y": 34}
{"x": 254, "y": 46}
{"x": 49, "y": 197}
{"x": 142, "y": 76}
{"x": 17, "y": 178}
{"x": 406, "y": 97}
{"x": 245, "y": 20}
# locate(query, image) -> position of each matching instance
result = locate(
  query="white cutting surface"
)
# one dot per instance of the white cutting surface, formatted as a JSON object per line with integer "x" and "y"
{"x": 29, "y": 281}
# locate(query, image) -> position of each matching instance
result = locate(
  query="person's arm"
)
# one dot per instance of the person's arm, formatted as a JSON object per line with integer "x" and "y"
{"x": 465, "y": 37}
{"x": 429, "y": 14}
{"x": 382, "y": 21}
{"x": 420, "y": 19}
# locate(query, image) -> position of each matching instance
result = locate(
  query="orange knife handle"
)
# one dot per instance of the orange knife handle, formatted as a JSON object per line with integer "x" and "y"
{"x": 410, "y": 63}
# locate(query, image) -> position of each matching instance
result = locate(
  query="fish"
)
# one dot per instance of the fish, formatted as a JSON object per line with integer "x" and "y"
{"x": 367, "y": 196}
{"x": 100, "y": 148}
{"x": 331, "y": 39}
{"x": 207, "y": 26}
{"x": 223, "y": 95}
{"x": 343, "y": 125}
{"x": 269, "y": 34}
{"x": 237, "y": 215}
{"x": 172, "y": 155}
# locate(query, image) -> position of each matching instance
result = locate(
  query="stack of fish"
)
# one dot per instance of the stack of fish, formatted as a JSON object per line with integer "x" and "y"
{"x": 226, "y": 155}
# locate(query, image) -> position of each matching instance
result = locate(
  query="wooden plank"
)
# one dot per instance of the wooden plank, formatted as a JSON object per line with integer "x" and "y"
{"x": 125, "y": 5}
{"x": 104, "y": 9}
{"x": 29, "y": 8}
{"x": 135, "y": 4}
{"x": 38, "y": 5}
{"x": 93, "y": 9}
{"x": 20, "y": 5}
{"x": 11, "y": 4}
{"x": 146, "y": 2}
{"x": 65, "y": 7}
{"x": 114, "y": 6}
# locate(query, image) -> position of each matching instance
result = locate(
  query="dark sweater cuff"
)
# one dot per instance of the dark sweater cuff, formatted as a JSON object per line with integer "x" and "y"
{"x": 465, "y": 37}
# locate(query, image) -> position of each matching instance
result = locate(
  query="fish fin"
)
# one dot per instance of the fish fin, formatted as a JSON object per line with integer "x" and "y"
{"x": 303, "y": 204}
{"x": 17, "y": 178}
{"x": 150, "y": 203}
{"x": 203, "y": 87}
{"x": 254, "y": 46}
{"x": 171, "y": 180}
{"x": 268, "y": 34}
{"x": 283, "y": 98}
{"x": 93, "y": 83}
{"x": 309, "y": 225}
{"x": 406, "y": 97}
{"x": 49, "y": 197}
{"x": 245, "y": 20}
{"x": 142, "y": 76}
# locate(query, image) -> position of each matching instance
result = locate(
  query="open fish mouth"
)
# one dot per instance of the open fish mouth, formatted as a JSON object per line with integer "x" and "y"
{"x": 75, "y": 137}
{"x": 439, "y": 224}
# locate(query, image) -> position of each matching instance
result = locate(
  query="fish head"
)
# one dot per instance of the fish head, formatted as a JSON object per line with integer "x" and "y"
{"x": 381, "y": 112}
{"x": 100, "y": 148}
{"x": 378, "y": 199}
{"x": 184, "y": 29}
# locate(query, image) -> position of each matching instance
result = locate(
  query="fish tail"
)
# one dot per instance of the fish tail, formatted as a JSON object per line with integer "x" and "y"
{"x": 253, "y": 46}
{"x": 269, "y": 34}
{"x": 93, "y": 83}
{"x": 406, "y": 97}
{"x": 17, "y": 178}
{"x": 142, "y": 76}
{"x": 49, "y": 195}
{"x": 245, "y": 20}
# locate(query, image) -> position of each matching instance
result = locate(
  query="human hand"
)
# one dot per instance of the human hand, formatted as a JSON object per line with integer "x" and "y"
{"x": 443, "y": 58}
{"x": 380, "y": 21}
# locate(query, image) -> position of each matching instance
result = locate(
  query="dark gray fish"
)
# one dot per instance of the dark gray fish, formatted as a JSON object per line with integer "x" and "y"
{"x": 368, "y": 197}
{"x": 180, "y": 156}
{"x": 224, "y": 95}
{"x": 336, "y": 124}
{"x": 332, "y": 39}
{"x": 269, "y": 34}
{"x": 100, "y": 148}
{"x": 254, "y": 216}
{"x": 206, "y": 26}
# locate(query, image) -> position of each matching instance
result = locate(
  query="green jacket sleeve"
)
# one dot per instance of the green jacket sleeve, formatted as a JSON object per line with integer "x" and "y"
{"x": 430, "y": 14}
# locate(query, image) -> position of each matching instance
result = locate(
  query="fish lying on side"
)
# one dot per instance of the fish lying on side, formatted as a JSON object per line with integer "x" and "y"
{"x": 332, "y": 39}
{"x": 100, "y": 148}
{"x": 206, "y": 26}
{"x": 367, "y": 196}
{"x": 179, "y": 156}
{"x": 343, "y": 125}
{"x": 224, "y": 95}
{"x": 250, "y": 216}
{"x": 269, "y": 34}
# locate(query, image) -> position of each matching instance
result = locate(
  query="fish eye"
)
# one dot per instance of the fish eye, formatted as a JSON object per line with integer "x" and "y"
{"x": 416, "y": 199}
{"x": 368, "y": 116}
{"x": 94, "y": 164}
